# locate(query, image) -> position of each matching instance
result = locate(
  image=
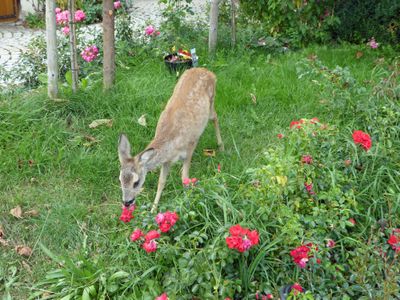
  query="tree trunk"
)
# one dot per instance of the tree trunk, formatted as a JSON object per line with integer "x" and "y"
{"x": 108, "y": 44}
{"x": 233, "y": 23}
{"x": 72, "y": 45}
{"x": 51, "y": 43}
{"x": 212, "y": 37}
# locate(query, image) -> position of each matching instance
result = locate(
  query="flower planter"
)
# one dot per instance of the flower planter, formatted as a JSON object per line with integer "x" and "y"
{"x": 177, "y": 65}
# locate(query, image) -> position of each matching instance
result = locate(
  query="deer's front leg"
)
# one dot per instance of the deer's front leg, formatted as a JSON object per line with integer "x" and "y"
{"x": 161, "y": 183}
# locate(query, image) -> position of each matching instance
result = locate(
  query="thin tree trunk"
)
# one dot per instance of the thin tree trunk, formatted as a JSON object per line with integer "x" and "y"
{"x": 108, "y": 44}
{"x": 72, "y": 45}
{"x": 51, "y": 43}
{"x": 233, "y": 23}
{"x": 212, "y": 37}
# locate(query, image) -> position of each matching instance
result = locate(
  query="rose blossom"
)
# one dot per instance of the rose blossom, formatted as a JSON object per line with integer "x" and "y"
{"x": 362, "y": 138}
{"x": 297, "y": 288}
{"x": 302, "y": 254}
{"x": 166, "y": 220}
{"x": 79, "y": 16}
{"x": 330, "y": 243}
{"x": 372, "y": 43}
{"x": 149, "y": 30}
{"x": 150, "y": 246}
{"x": 241, "y": 239}
{"x": 90, "y": 53}
{"x": 394, "y": 240}
{"x": 117, "y": 4}
{"x": 65, "y": 30}
{"x": 137, "y": 234}
{"x": 127, "y": 213}
{"x": 151, "y": 235}
{"x": 307, "y": 159}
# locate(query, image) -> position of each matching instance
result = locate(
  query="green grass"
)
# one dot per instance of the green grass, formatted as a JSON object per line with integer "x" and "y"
{"x": 75, "y": 187}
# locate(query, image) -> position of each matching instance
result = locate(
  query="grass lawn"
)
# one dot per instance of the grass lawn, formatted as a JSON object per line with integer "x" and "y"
{"x": 52, "y": 162}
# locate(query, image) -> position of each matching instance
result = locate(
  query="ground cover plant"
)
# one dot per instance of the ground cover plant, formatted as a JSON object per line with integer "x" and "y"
{"x": 303, "y": 204}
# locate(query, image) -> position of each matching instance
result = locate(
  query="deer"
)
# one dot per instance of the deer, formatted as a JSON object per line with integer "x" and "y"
{"x": 178, "y": 130}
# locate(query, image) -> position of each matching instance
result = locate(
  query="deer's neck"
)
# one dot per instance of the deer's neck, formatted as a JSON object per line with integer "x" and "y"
{"x": 155, "y": 161}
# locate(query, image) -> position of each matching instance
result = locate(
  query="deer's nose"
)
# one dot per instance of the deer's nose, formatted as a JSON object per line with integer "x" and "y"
{"x": 129, "y": 203}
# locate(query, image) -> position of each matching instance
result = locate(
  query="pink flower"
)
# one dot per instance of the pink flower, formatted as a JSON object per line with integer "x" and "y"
{"x": 79, "y": 16}
{"x": 151, "y": 235}
{"x": 314, "y": 121}
{"x": 162, "y": 297}
{"x": 127, "y": 214}
{"x": 90, "y": 53}
{"x": 166, "y": 220}
{"x": 307, "y": 159}
{"x": 160, "y": 218}
{"x": 149, "y": 30}
{"x": 57, "y": 10}
{"x": 186, "y": 181}
{"x": 330, "y": 243}
{"x": 62, "y": 17}
{"x": 65, "y": 30}
{"x": 189, "y": 181}
{"x": 309, "y": 188}
{"x": 150, "y": 246}
{"x": 297, "y": 288}
{"x": 117, "y": 4}
{"x": 372, "y": 43}
{"x": 352, "y": 221}
{"x": 219, "y": 168}
{"x": 137, "y": 234}
{"x": 280, "y": 136}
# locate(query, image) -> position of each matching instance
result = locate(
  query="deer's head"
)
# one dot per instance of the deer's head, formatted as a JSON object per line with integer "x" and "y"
{"x": 133, "y": 170}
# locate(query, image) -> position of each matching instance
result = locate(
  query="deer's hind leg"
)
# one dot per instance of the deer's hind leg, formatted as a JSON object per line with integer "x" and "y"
{"x": 214, "y": 118}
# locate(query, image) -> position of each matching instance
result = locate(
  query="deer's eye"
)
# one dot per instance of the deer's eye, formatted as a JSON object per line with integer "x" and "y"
{"x": 135, "y": 184}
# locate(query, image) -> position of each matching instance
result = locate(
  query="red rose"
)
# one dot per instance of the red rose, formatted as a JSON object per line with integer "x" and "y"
{"x": 362, "y": 138}
{"x": 253, "y": 237}
{"x": 236, "y": 230}
{"x": 151, "y": 235}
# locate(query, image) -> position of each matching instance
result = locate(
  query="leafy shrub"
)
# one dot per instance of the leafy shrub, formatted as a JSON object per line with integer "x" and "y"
{"x": 301, "y": 22}
{"x": 35, "y": 20}
{"x": 360, "y": 20}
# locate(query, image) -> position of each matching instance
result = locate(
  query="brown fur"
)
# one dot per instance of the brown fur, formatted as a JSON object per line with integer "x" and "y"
{"x": 179, "y": 128}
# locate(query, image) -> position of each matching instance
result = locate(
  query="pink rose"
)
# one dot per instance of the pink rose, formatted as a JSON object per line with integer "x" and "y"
{"x": 79, "y": 16}
{"x": 65, "y": 30}
{"x": 149, "y": 30}
{"x": 117, "y": 4}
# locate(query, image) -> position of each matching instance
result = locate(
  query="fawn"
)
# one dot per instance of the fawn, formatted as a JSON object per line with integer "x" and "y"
{"x": 179, "y": 128}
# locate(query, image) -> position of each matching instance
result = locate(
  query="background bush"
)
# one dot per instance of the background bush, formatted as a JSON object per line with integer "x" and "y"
{"x": 362, "y": 19}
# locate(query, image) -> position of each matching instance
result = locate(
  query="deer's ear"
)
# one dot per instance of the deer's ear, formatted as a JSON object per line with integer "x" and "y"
{"x": 146, "y": 155}
{"x": 124, "y": 149}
